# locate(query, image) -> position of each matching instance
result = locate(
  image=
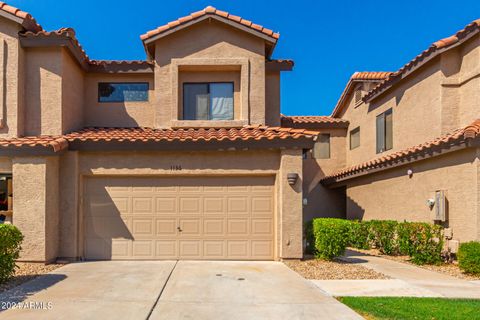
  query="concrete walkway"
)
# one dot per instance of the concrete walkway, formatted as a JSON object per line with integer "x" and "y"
{"x": 172, "y": 290}
{"x": 407, "y": 281}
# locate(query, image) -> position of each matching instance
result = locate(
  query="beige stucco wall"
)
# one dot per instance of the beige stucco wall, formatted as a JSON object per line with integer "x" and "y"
{"x": 72, "y": 93}
{"x": 36, "y": 196}
{"x": 11, "y": 79}
{"x": 43, "y": 111}
{"x": 272, "y": 99}
{"x": 119, "y": 114}
{"x": 212, "y": 40}
{"x": 321, "y": 201}
{"x": 393, "y": 195}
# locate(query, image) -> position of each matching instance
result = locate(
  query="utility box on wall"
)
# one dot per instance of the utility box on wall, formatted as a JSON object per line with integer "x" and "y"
{"x": 440, "y": 206}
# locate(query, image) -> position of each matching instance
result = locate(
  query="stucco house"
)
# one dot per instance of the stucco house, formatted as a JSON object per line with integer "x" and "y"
{"x": 185, "y": 155}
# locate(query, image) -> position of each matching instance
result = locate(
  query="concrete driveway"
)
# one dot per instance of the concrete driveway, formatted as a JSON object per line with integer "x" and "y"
{"x": 172, "y": 290}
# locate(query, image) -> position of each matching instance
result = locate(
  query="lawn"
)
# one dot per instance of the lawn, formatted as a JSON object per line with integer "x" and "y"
{"x": 414, "y": 308}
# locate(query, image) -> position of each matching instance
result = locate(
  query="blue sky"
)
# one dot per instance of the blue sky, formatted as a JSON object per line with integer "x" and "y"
{"x": 329, "y": 40}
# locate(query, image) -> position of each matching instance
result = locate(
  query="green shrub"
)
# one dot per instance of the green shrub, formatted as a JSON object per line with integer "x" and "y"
{"x": 331, "y": 237}
{"x": 469, "y": 257}
{"x": 359, "y": 234}
{"x": 10, "y": 241}
{"x": 423, "y": 242}
{"x": 383, "y": 235}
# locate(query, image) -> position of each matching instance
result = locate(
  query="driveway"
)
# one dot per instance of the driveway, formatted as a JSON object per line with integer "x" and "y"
{"x": 172, "y": 290}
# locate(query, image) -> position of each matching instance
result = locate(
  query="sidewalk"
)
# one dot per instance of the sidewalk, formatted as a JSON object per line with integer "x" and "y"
{"x": 407, "y": 281}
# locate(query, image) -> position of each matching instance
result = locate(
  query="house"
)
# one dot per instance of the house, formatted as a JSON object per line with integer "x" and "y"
{"x": 411, "y": 148}
{"x": 185, "y": 155}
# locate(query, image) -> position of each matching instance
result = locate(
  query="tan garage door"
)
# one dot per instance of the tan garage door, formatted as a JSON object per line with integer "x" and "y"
{"x": 179, "y": 218}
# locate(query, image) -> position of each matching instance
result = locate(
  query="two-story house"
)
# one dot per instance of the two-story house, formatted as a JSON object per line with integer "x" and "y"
{"x": 178, "y": 156}
{"x": 185, "y": 155}
{"x": 410, "y": 146}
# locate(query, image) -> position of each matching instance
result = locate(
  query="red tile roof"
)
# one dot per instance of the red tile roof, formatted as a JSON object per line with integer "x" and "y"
{"x": 288, "y": 121}
{"x": 432, "y": 51}
{"x": 361, "y": 76}
{"x": 370, "y": 75}
{"x": 29, "y": 23}
{"x": 444, "y": 142}
{"x": 137, "y": 134}
{"x": 203, "y": 134}
{"x": 57, "y": 143}
{"x": 209, "y": 11}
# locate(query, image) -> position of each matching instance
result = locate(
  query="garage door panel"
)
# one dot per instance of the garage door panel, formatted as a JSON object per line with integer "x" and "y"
{"x": 190, "y": 249}
{"x": 190, "y": 205}
{"x": 142, "y": 205}
{"x": 166, "y": 227}
{"x": 218, "y": 217}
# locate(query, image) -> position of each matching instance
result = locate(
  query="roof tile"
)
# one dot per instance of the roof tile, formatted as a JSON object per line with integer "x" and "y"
{"x": 455, "y": 137}
{"x": 208, "y": 10}
{"x": 29, "y": 23}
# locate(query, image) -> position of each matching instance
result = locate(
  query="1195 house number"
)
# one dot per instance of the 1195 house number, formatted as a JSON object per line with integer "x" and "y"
{"x": 175, "y": 167}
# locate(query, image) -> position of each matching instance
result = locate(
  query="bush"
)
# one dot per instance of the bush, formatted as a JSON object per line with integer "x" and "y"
{"x": 383, "y": 235}
{"x": 10, "y": 241}
{"x": 421, "y": 241}
{"x": 469, "y": 257}
{"x": 359, "y": 235}
{"x": 331, "y": 237}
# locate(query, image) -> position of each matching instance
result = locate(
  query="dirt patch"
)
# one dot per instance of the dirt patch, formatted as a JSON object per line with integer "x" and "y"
{"x": 450, "y": 269}
{"x": 27, "y": 271}
{"x": 316, "y": 269}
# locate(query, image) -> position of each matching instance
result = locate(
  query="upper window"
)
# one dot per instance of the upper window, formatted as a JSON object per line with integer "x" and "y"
{"x": 122, "y": 91}
{"x": 208, "y": 101}
{"x": 384, "y": 131}
{"x": 355, "y": 138}
{"x": 321, "y": 149}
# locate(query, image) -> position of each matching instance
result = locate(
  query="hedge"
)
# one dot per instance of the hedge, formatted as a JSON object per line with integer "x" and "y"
{"x": 10, "y": 241}
{"x": 469, "y": 257}
{"x": 328, "y": 238}
{"x": 331, "y": 237}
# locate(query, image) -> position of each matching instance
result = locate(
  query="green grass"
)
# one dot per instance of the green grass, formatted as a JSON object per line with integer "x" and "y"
{"x": 414, "y": 308}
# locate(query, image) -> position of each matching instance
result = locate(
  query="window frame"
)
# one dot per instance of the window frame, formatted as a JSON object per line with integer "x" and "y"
{"x": 209, "y": 98}
{"x": 385, "y": 131}
{"x": 350, "y": 138}
{"x": 329, "y": 147}
{"x": 9, "y": 202}
{"x": 123, "y": 82}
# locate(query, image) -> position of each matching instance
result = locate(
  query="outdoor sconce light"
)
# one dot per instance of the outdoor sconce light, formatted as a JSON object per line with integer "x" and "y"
{"x": 292, "y": 178}
{"x": 410, "y": 173}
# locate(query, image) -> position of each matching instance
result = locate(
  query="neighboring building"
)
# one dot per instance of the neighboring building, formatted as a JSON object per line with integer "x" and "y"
{"x": 186, "y": 156}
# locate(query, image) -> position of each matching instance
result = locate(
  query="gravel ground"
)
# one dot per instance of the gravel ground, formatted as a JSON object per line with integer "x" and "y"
{"x": 26, "y": 272}
{"x": 450, "y": 269}
{"x": 311, "y": 268}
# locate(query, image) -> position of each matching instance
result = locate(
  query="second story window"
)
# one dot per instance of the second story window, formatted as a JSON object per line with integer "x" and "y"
{"x": 321, "y": 149}
{"x": 384, "y": 131}
{"x": 122, "y": 91}
{"x": 355, "y": 138}
{"x": 208, "y": 101}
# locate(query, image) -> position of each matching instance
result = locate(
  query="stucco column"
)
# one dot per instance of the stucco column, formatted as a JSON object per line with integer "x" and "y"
{"x": 35, "y": 206}
{"x": 290, "y": 206}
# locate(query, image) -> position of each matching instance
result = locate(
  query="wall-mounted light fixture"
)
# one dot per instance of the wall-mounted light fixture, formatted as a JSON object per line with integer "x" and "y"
{"x": 292, "y": 178}
{"x": 410, "y": 173}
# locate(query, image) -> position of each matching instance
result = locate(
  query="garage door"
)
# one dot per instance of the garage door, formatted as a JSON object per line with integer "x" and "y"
{"x": 179, "y": 218}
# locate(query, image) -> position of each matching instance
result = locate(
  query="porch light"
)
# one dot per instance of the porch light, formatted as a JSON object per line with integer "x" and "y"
{"x": 292, "y": 178}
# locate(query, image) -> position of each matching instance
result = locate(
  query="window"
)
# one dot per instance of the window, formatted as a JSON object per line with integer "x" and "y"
{"x": 358, "y": 95}
{"x": 384, "y": 131}
{"x": 355, "y": 138}
{"x": 321, "y": 149}
{"x": 208, "y": 101}
{"x": 6, "y": 199}
{"x": 121, "y": 92}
